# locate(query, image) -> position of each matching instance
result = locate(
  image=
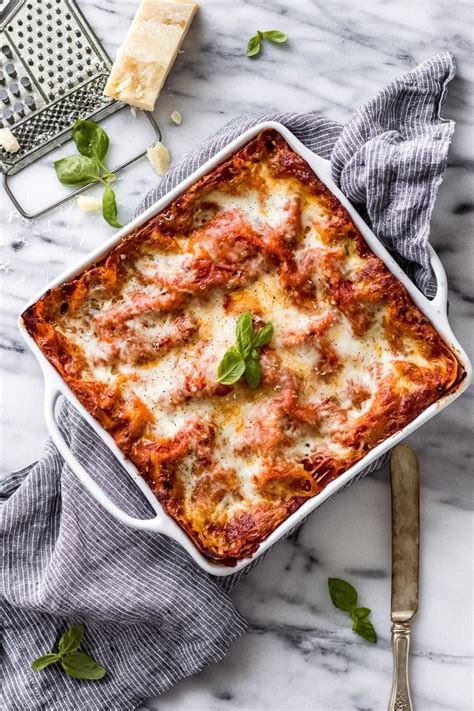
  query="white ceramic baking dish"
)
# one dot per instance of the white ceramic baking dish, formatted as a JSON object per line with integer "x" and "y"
{"x": 435, "y": 310}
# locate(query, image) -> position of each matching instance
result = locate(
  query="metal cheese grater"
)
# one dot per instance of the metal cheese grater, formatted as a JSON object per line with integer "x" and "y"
{"x": 53, "y": 70}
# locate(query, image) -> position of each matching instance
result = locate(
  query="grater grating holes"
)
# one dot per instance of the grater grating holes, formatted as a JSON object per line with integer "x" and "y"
{"x": 60, "y": 116}
{"x": 63, "y": 80}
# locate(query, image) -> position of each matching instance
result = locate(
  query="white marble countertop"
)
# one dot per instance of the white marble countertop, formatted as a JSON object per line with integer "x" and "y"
{"x": 299, "y": 653}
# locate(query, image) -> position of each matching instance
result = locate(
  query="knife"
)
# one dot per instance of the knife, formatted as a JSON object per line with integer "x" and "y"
{"x": 405, "y": 563}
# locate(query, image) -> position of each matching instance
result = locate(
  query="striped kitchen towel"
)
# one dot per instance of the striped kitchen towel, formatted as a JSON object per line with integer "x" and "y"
{"x": 151, "y": 616}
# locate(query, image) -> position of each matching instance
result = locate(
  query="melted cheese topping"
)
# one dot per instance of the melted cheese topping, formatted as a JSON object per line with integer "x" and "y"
{"x": 351, "y": 360}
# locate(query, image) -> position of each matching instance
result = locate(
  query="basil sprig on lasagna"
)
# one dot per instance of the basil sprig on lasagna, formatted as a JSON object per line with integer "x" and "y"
{"x": 243, "y": 359}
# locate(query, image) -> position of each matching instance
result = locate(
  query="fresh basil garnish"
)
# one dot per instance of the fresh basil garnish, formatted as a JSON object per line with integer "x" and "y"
{"x": 253, "y": 372}
{"x": 254, "y": 46}
{"x": 360, "y": 612}
{"x": 231, "y": 367}
{"x": 77, "y": 664}
{"x": 71, "y": 639}
{"x": 344, "y": 597}
{"x": 45, "y": 661}
{"x": 365, "y": 629}
{"x": 244, "y": 333}
{"x": 275, "y": 36}
{"x": 343, "y": 594}
{"x": 81, "y": 666}
{"x": 76, "y": 170}
{"x": 92, "y": 143}
{"x": 91, "y": 140}
{"x": 264, "y": 336}
{"x": 109, "y": 207}
{"x": 244, "y": 359}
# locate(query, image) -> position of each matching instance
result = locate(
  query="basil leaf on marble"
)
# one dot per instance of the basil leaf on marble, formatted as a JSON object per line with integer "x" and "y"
{"x": 92, "y": 143}
{"x": 45, "y": 661}
{"x": 343, "y": 594}
{"x": 275, "y": 36}
{"x": 360, "y": 612}
{"x": 365, "y": 629}
{"x": 91, "y": 140}
{"x": 71, "y": 639}
{"x": 109, "y": 207}
{"x": 76, "y": 170}
{"x": 80, "y": 666}
{"x": 254, "y": 46}
{"x": 344, "y": 597}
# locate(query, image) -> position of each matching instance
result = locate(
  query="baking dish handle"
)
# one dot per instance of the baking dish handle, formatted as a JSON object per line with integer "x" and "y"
{"x": 157, "y": 523}
{"x": 440, "y": 301}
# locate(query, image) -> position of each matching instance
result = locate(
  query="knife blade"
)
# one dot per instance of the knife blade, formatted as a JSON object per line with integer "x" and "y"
{"x": 405, "y": 566}
{"x": 405, "y": 532}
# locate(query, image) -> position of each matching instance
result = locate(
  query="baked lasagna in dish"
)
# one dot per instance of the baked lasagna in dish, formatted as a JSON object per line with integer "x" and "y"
{"x": 139, "y": 336}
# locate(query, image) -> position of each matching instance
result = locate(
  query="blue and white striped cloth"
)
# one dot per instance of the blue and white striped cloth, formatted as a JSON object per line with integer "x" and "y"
{"x": 151, "y": 616}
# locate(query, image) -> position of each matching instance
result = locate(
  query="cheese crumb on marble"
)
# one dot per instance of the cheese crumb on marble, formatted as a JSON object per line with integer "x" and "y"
{"x": 87, "y": 203}
{"x": 159, "y": 157}
{"x": 8, "y": 141}
{"x": 149, "y": 51}
{"x": 176, "y": 118}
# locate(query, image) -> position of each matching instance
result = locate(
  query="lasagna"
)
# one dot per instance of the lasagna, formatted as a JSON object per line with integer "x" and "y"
{"x": 138, "y": 338}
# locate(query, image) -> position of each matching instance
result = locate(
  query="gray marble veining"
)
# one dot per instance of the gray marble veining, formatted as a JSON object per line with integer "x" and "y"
{"x": 299, "y": 653}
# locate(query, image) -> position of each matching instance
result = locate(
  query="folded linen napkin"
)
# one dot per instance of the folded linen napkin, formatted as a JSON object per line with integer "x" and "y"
{"x": 151, "y": 615}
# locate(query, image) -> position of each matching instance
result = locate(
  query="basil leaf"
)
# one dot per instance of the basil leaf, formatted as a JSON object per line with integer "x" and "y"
{"x": 359, "y": 613}
{"x": 343, "y": 595}
{"x": 45, "y": 661}
{"x": 254, "y": 46}
{"x": 80, "y": 666}
{"x": 244, "y": 359}
{"x": 109, "y": 207}
{"x": 365, "y": 629}
{"x": 231, "y": 367}
{"x": 244, "y": 333}
{"x": 76, "y": 170}
{"x": 264, "y": 336}
{"x": 71, "y": 639}
{"x": 91, "y": 139}
{"x": 275, "y": 36}
{"x": 253, "y": 373}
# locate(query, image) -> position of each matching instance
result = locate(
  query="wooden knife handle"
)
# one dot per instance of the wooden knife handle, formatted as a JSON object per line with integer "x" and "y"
{"x": 400, "y": 699}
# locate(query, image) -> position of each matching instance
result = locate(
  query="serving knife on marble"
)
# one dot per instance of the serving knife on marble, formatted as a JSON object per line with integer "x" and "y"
{"x": 405, "y": 564}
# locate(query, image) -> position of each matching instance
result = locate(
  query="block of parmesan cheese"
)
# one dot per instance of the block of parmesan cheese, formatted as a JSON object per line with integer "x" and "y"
{"x": 149, "y": 51}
